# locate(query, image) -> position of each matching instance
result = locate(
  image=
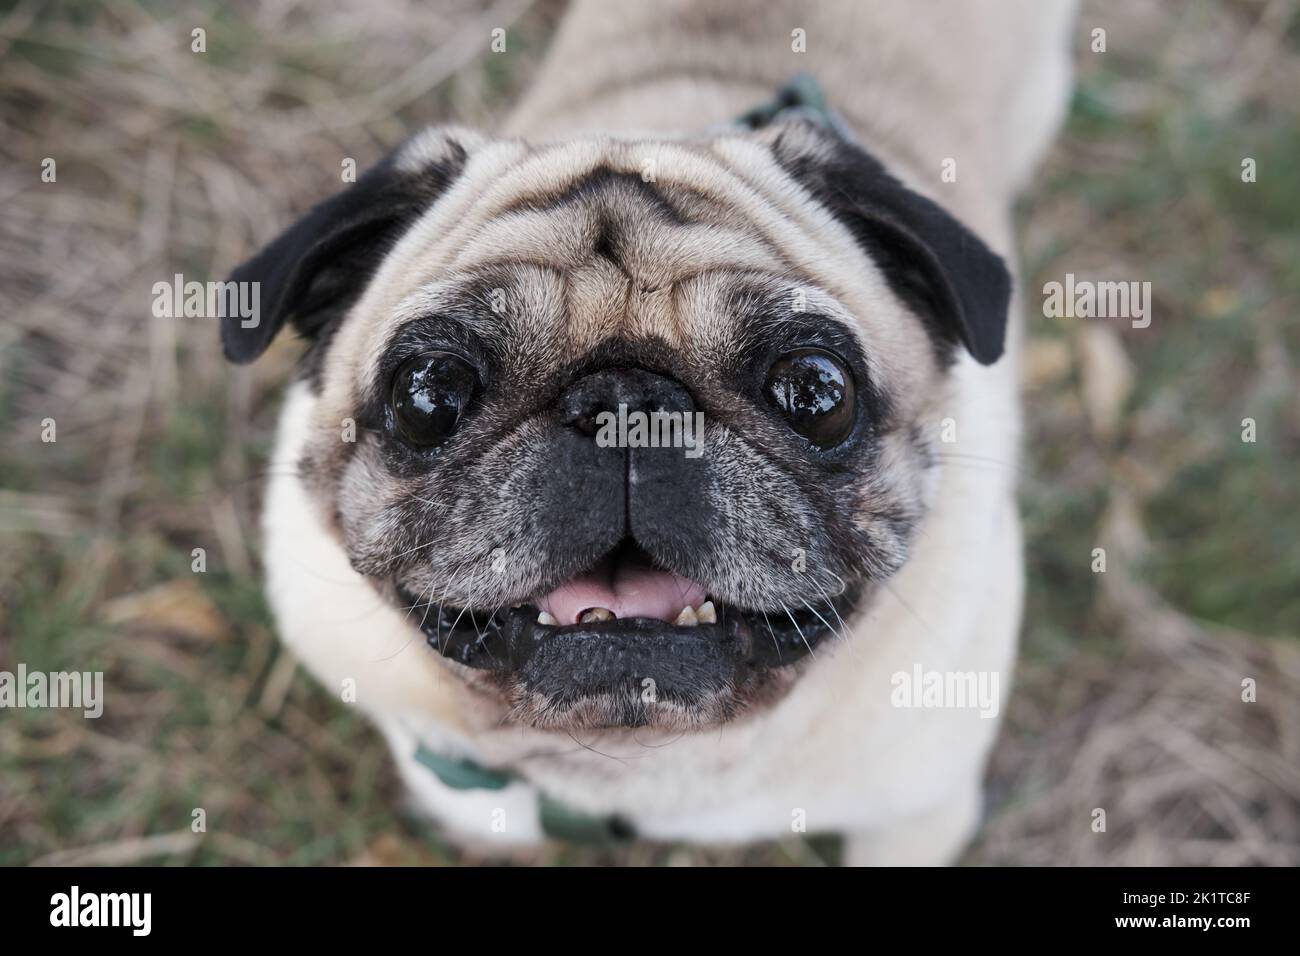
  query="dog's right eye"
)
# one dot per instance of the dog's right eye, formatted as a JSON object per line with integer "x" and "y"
{"x": 430, "y": 394}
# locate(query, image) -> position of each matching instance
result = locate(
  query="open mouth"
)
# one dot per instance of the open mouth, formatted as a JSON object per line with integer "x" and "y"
{"x": 625, "y": 620}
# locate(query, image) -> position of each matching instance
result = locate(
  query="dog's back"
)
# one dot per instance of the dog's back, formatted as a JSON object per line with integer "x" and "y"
{"x": 986, "y": 82}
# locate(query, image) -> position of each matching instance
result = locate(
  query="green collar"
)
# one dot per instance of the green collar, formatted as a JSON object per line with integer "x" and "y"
{"x": 802, "y": 97}
{"x": 558, "y": 821}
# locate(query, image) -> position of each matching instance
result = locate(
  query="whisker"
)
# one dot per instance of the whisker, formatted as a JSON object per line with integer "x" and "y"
{"x": 455, "y": 622}
{"x": 843, "y": 587}
{"x": 907, "y": 607}
{"x": 441, "y": 506}
{"x": 836, "y": 612}
{"x": 822, "y": 619}
{"x": 389, "y": 657}
{"x": 772, "y": 634}
{"x": 418, "y": 547}
{"x": 798, "y": 628}
{"x": 442, "y": 646}
{"x": 843, "y": 632}
{"x": 593, "y": 750}
{"x": 960, "y": 457}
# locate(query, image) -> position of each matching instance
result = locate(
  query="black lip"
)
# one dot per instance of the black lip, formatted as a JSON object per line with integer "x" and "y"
{"x": 557, "y": 659}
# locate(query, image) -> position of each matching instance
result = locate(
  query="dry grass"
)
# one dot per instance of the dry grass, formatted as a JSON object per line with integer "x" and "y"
{"x": 1129, "y": 693}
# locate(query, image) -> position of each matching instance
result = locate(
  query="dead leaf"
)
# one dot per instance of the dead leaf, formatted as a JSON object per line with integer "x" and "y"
{"x": 177, "y": 607}
{"x": 1107, "y": 377}
{"x": 1047, "y": 361}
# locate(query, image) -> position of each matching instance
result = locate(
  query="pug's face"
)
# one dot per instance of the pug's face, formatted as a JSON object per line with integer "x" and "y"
{"x": 776, "y": 313}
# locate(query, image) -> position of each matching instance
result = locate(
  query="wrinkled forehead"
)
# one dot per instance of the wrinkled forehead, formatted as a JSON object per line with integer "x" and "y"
{"x": 675, "y": 209}
{"x": 616, "y": 232}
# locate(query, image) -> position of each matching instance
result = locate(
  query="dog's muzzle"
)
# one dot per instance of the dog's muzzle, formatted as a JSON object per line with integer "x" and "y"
{"x": 628, "y": 626}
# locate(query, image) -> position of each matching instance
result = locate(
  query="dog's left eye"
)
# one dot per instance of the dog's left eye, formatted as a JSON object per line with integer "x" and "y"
{"x": 814, "y": 391}
{"x": 430, "y": 394}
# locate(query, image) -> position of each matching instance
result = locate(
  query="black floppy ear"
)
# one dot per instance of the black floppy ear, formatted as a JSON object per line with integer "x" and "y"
{"x": 959, "y": 287}
{"x": 314, "y": 271}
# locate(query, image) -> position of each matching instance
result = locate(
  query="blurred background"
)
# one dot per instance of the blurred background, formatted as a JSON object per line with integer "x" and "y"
{"x": 1128, "y": 696}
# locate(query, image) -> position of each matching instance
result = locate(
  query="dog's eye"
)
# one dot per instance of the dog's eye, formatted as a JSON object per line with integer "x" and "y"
{"x": 430, "y": 394}
{"x": 814, "y": 391}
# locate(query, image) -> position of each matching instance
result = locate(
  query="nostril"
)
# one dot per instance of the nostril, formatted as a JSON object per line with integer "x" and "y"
{"x": 582, "y": 402}
{"x": 636, "y": 390}
{"x": 583, "y": 423}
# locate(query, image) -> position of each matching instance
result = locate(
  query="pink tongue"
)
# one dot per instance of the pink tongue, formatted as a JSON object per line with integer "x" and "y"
{"x": 631, "y": 589}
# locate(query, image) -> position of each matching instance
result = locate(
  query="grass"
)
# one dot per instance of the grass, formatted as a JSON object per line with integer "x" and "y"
{"x": 1127, "y": 695}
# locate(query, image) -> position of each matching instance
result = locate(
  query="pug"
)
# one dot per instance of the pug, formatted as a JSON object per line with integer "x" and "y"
{"x": 567, "y": 630}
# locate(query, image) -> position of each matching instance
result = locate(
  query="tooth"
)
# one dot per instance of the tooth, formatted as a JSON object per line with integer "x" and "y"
{"x": 687, "y": 618}
{"x": 596, "y": 614}
{"x": 545, "y": 618}
{"x": 706, "y": 613}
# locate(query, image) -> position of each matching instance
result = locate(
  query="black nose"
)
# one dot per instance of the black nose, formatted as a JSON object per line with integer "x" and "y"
{"x": 634, "y": 388}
